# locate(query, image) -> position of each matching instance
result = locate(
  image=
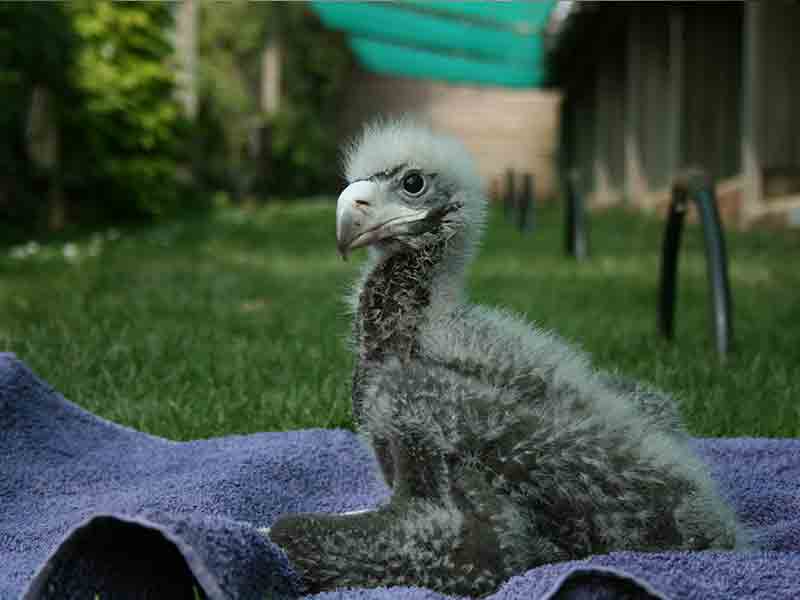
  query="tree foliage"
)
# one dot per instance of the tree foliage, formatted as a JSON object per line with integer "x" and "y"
{"x": 91, "y": 127}
{"x": 131, "y": 119}
{"x": 305, "y": 141}
{"x": 105, "y": 71}
{"x": 230, "y": 42}
{"x": 298, "y": 144}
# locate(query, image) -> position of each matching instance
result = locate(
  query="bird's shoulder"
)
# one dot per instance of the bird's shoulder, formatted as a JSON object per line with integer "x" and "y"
{"x": 498, "y": 337}
{"x": 505, "y": 350}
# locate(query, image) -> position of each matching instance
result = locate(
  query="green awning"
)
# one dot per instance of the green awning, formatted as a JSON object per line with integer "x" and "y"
{"x": 489, "y": 43}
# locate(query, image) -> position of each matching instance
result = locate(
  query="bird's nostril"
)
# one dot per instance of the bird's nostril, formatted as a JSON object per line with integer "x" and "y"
{"x": 362, "y": 203}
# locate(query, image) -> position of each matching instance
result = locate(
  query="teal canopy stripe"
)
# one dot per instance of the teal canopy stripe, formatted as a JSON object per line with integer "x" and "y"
{"x": 391, "y": 59}
{"x": 523, "y": 16}
{"x": 489, "y": 43}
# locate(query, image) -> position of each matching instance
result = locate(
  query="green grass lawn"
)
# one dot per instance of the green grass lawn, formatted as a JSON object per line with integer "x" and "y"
{"x": 233, "y": 323}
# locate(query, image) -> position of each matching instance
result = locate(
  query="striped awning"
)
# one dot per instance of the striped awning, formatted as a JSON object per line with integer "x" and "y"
{"x": 489, "y": 43}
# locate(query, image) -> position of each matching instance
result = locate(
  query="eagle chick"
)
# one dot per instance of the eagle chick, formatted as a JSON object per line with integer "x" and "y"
{"x": 504, "y": 448}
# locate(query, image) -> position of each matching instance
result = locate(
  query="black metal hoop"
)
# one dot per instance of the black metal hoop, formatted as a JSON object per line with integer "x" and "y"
{"x": 510, "y": 196}
{"x": 526, "y": 204}
{"x": 577, "y": 244}
{"x": 696, "y": 186}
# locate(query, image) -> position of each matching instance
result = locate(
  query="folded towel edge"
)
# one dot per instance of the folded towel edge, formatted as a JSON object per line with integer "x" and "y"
{"x": 194, "y": 562}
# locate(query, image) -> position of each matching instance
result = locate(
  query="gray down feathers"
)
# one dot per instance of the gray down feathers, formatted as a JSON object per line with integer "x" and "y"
{"x": 504, "y": 448}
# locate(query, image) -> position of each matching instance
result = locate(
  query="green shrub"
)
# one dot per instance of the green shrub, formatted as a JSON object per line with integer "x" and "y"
{"x": 130, "y": 128}
{"x": 100, "y": 76}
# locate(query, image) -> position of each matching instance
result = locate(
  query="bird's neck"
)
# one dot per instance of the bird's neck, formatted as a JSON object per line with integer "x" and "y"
{"x": 396, "y": 296}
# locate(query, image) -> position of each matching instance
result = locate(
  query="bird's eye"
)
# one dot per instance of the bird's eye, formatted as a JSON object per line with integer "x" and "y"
{"x": 413, "y": 184}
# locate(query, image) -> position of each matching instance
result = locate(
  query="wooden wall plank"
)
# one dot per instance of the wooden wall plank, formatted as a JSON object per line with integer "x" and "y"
{"x": 751, "y": 111}
{"x": 635, "y": 182}
{"x": 654, "y": 97}
{"x": 713, "y": 89}
{"x": 780, "y": 64}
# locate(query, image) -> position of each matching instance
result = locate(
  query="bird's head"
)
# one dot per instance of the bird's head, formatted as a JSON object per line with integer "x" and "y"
{"x": 409, "y": 188}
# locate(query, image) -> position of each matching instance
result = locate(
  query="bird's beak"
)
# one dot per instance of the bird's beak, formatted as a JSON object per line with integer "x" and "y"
{"x": 363, "y": 217}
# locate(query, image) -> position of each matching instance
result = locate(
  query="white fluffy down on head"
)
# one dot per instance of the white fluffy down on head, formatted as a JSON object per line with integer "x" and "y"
{"x": 386, "y": 144}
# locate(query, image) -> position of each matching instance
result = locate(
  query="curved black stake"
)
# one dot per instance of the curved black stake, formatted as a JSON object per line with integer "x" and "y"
{"x": 526, "y": 204}
{"x": 669, "y": 264}
{"x": 698, "y": 188}
{"x": 510, "y": 198}
{"x": 577, "y": 242}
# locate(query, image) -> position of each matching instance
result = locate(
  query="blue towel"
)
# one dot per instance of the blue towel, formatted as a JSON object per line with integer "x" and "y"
{"x": 88, "y": 507}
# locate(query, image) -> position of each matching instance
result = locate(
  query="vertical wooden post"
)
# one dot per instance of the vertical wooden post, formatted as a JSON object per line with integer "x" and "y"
{"x": 43, "y": 139}
{"x": 270, "y": 93}
{"x": 635, "y": 185}
{"x": 271, "y": 65}
{"x": 751, "y": 109}
{"x": 186, "y": 46}
{"x": 675, "y": 114}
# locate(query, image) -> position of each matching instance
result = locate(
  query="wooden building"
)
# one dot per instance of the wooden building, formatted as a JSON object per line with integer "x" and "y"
{"x": 504, "y": 128}
{"x": 653, "y": 88}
